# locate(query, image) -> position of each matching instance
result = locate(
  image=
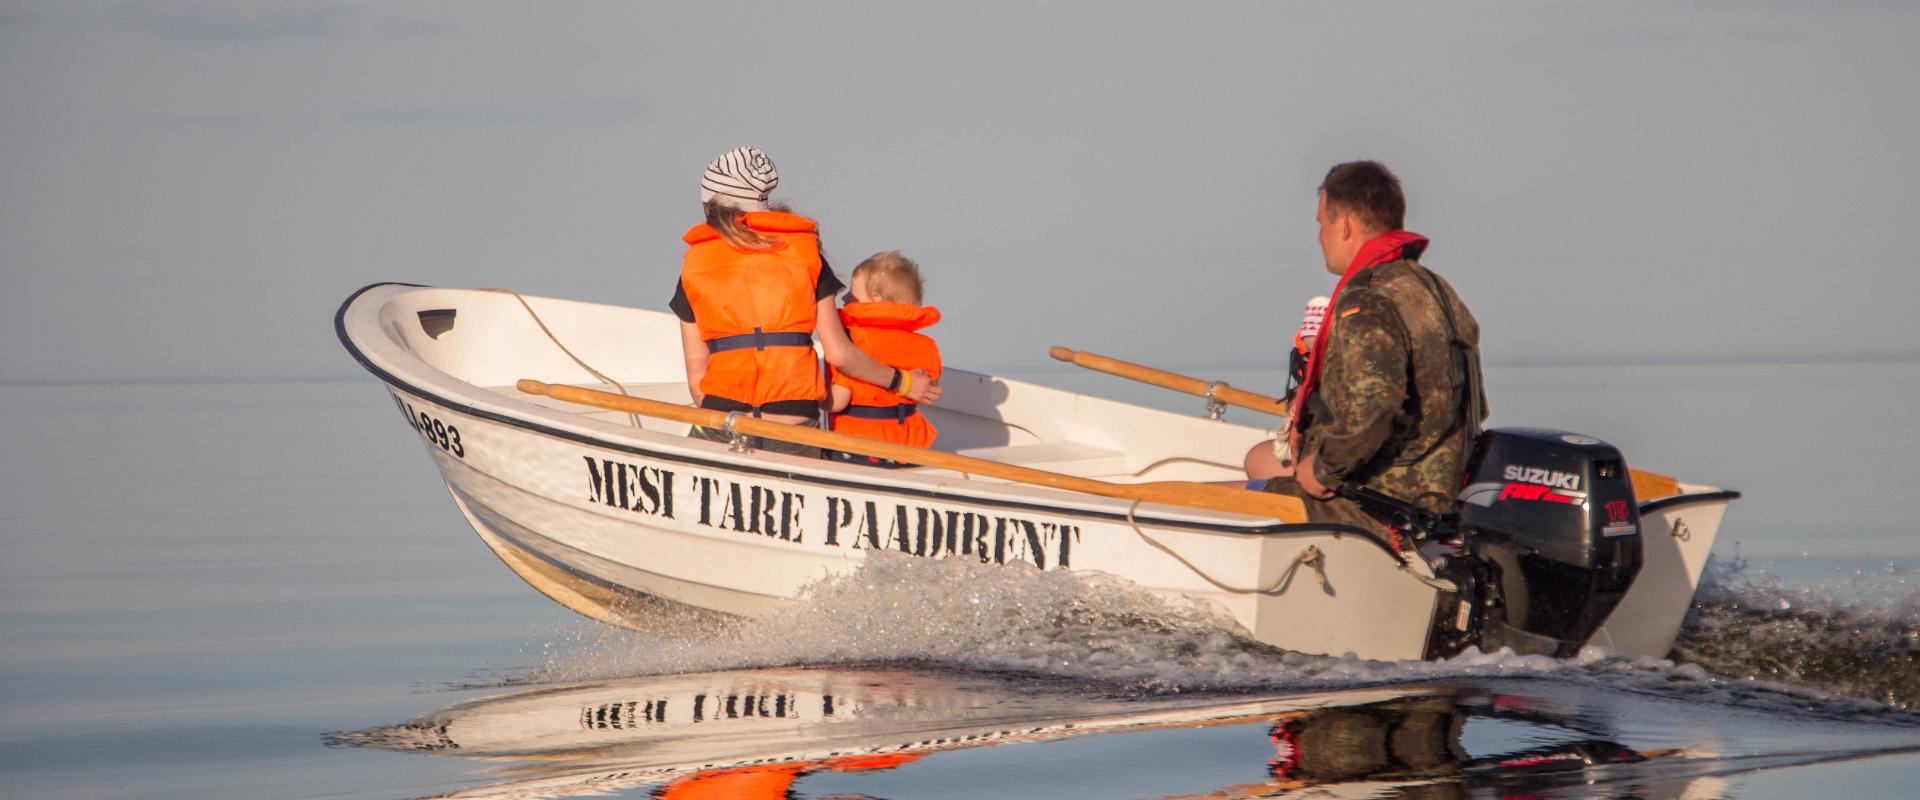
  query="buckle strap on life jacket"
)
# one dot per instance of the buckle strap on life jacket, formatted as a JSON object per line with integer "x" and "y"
{"x": 792, "y": 408}
{"x": 759, "y": 340}
{"x": 898, "y": 413}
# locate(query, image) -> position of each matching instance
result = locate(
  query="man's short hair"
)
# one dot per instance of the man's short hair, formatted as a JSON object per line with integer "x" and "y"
{"x": 1367, "y": 190}
{"x": 891, "y": 277}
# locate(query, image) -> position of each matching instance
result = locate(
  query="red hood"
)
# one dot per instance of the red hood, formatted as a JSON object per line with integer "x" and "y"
{"x": 898, "y": 316}
{"x": 1387, "y": 247}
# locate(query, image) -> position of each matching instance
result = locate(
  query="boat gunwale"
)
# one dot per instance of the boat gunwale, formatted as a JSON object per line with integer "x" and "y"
{"x": 1659, "y": 504}
{"x": 532, "y": 426}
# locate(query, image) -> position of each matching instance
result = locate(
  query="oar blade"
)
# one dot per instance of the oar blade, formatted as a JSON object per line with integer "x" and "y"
{"x": 1653, "y": 485}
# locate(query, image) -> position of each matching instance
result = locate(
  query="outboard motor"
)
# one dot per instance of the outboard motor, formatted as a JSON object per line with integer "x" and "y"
{"x": 1550, "y": 519}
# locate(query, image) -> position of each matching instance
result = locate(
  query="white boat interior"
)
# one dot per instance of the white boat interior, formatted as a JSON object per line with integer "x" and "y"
{"x": 491, "y": 340}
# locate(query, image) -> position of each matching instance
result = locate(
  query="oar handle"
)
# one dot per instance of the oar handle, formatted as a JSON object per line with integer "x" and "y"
{"x": 1646, "y": 485}
{"x": 1171, "y": 380}
{"x": 1173, "y": 493}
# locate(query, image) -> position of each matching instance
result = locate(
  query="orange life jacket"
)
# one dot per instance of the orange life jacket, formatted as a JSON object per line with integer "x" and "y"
{"x": 886, "y": 331}
{"x": 772, "y": 781}
{"x": 755, "y": 309}
{"x": 764, "y": 782}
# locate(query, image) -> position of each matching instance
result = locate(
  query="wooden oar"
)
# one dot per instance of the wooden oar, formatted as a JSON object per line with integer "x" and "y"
{"x": 1171, "y": 380}
{"x": 1172, "y": 493}
{"x": 1646, "y": 485}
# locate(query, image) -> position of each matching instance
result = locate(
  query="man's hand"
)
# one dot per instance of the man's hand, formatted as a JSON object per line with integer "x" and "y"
{"x": 1303, "y": 474}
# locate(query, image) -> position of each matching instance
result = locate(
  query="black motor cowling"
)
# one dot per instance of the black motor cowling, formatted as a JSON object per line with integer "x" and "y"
{"x": 1552, "y": 518}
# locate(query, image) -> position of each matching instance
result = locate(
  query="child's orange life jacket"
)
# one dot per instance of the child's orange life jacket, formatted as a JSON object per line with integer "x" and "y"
{"x": 755, "y": 310}
{"x": 761, "y": 782}
{"x": 887, "y": 331}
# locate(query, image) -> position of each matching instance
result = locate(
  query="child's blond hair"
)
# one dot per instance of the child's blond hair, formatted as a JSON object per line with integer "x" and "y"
{"x": 891, "y": 277}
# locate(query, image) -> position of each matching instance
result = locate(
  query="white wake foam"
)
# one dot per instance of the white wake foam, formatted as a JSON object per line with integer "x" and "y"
{"x": 960, "y": 615}
{"x": 1853, "y": 631}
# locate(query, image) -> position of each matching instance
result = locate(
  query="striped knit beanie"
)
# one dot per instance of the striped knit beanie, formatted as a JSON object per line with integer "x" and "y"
{"x": 1315, "y": 317}
{"x": 741, "y": 178}
{"x": 1312, "y": 323}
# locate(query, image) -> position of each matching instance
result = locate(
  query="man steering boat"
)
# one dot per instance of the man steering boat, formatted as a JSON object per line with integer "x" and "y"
{"x": 1391, "y": 399}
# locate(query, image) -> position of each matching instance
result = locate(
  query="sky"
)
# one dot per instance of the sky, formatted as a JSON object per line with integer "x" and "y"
{"x": 188, "y": 190}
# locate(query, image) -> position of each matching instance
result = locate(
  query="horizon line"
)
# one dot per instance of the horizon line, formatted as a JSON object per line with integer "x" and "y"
{"x": 1020, "y": 367}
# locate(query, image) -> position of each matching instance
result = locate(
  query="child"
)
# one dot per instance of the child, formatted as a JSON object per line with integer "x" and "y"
{"x": 883, "y": 318}
{"x": 1303, "y": 340}
{"x": 1274, "y": 458}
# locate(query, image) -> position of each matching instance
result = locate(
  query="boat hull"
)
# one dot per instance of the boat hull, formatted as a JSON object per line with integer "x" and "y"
{"x": 599, "y": 527}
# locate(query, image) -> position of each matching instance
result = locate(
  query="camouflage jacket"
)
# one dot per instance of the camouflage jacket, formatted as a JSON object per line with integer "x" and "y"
{"x": 1400, "y": 398}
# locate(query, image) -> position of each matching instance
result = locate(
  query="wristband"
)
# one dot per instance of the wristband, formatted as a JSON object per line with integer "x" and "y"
{"x": 894, "y": 385}
{"x": 906, "y": 384}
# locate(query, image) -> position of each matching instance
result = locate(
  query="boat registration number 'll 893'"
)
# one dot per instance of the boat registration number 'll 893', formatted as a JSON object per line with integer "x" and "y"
{"x": 437, "y": 433}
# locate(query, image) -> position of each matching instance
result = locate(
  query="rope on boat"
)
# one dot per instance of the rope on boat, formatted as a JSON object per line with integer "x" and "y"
{"x": 1311, "y": 555}
{"x": 1184, "y": 460}
{"x": 563, "y": 348}
{"x": 1436, "y": 583}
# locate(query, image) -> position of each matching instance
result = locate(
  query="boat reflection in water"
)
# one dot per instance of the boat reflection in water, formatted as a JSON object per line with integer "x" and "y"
{"x": 1412, "y": 747}
{"x": 780, "y": 733}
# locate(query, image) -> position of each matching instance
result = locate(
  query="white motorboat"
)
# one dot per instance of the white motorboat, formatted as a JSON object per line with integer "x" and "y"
{"x": 603, "y": 510}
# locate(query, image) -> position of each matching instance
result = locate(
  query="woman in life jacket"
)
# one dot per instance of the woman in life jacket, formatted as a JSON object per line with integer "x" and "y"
{"x": 754, "y": 292}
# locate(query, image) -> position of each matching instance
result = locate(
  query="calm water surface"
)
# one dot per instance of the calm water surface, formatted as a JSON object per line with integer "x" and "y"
{"x": 198, "y": 583}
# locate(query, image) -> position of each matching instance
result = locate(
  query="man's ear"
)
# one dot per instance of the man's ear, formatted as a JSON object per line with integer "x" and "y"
{"x": 1347, "y": 232}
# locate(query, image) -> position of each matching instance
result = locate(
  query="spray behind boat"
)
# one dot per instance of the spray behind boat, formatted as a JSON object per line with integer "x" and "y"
{"x": 1546, "y": 542}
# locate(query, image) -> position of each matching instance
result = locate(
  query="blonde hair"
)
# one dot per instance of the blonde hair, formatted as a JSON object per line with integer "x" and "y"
{"x": 891, "y": 277}
{"x": 731, "y": 224}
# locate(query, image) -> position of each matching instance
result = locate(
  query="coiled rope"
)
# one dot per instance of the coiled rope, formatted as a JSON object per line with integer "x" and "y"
{"x": 1311, "y": 555}
{"x": 563, "y": 348}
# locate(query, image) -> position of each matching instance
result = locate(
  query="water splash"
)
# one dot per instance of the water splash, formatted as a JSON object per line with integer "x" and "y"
{"x": 959, "y": 615}
{"x": 1855, "y": 633}
{"x": 901, "y": 609}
